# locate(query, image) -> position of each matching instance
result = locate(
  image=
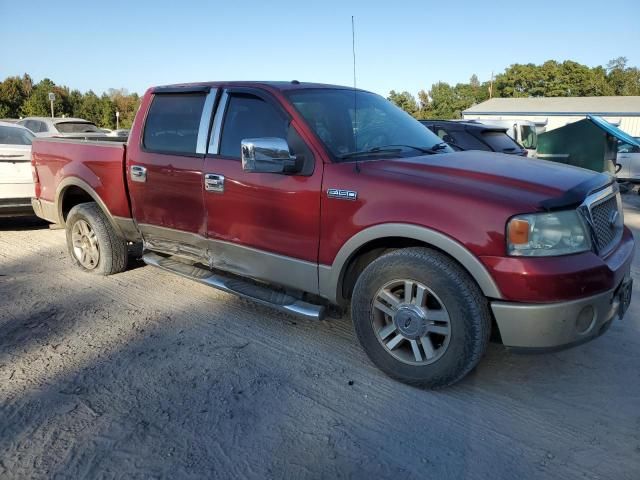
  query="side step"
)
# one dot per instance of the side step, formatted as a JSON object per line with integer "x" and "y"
{"x": 263, "y": 295}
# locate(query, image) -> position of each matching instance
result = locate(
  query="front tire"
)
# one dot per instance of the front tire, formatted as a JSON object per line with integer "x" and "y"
{"x": 93, "y": 244}
{"x": 420, "y": 318}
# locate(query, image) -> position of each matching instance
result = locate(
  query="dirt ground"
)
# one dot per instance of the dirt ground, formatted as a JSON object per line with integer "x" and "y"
{"x": 148, "y": 375}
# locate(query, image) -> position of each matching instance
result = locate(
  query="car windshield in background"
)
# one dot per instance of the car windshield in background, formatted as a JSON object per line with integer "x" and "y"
{"x": 77, "y": 127}
{"x": 529, "y": 136}
{"x": 501, "y": 142}
{"x": 357, "y": 124}
{"x": 15, "y": 136}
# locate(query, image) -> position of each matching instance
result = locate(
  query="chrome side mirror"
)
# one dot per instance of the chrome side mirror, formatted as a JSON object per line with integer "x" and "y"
{"x": 267, "y": 155}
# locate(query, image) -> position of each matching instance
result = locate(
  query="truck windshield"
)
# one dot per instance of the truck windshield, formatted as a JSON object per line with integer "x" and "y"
{"x": 357, "y": 124}
{"x": 529, "y": 136}
{"x": 77, "y": 127}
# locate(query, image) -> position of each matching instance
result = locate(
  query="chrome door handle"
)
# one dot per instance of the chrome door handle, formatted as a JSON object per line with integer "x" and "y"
{"x": 138, "y": 173}
{"x": 214, "y": 182}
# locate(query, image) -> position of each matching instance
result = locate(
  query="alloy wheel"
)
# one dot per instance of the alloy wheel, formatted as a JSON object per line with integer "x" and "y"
{"x": 85, "y": 244}
{"x": 411, "y": 322}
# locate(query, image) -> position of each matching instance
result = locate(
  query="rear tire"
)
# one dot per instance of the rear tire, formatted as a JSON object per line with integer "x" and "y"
{"x": 94, "y": 245}
{"x": 420, "y": 317}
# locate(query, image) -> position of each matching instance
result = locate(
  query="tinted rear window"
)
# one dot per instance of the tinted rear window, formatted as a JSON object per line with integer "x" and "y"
{"x": 461, "y": 139}
{"x": 173, "y": 122}
{"x": 501, "y": 142}
{"x": 76, "y": 127}
{"x": 15, "y": 136}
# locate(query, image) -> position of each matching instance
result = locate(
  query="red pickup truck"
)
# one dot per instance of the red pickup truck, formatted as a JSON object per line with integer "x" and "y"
{"x": 302, "y": 195}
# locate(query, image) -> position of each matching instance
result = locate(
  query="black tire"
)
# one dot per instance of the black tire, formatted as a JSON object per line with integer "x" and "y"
{"x": 112, "y": 249}
{"x": 466, "y": 309}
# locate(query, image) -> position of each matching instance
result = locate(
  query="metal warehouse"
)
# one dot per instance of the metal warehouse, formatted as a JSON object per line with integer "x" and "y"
{"x": 549, "y": 113}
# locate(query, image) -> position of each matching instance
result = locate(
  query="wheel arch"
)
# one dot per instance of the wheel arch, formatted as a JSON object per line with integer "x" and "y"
{"x": 371, "y": 242}
{"x": 73, "y": 191}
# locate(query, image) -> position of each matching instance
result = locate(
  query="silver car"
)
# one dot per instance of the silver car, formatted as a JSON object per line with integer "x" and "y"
{"x": 61, "y": 127}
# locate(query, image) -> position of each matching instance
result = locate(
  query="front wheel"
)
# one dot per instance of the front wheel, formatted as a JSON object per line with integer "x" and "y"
{"x": 420, "y": 317}
{"x": 93, "y": 243}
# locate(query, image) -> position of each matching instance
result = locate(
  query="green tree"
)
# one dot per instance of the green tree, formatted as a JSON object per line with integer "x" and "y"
{"x": 90, "y": 108}
{"x": 405, "y": 101}
{"x": 11, "y": 97}
{"x": 38, "y": 105}
{"x": 107, "y": 111}
{"x": 622, "y": 79}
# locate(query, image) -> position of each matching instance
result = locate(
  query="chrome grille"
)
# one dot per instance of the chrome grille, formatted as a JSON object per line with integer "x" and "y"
{"x": 606, "y": 233}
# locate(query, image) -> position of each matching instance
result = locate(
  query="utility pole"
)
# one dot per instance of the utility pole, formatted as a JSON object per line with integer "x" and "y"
{"x": 117, "y": 120}
{"x": 52, "y": 97}
{"x": 491, "y": 86}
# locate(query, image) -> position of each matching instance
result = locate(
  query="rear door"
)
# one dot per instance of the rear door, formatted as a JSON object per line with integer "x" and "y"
{"x": 15, "y": 163}
{"x": 262, "y": 225}
{"x": 165, "y": 170}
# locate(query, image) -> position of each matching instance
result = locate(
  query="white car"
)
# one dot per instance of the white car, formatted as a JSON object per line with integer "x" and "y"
{"x": 16, "y": 181}
{"x": 61, "y": 127}
{"x": 629, "y": 159}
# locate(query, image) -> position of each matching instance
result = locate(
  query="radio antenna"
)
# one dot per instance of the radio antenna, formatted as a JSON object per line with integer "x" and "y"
{"x": 355, "y": 96}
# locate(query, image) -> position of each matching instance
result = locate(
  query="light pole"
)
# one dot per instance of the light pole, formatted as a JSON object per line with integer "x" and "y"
{"x": 52, "y": 97}
{"x": 117, "y": 120}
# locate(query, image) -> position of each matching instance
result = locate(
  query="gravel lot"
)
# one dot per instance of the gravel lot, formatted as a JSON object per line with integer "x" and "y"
{"x": 145, "y": 374}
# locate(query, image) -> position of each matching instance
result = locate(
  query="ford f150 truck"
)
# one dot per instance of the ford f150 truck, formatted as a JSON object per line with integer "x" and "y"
{"x": 301, "y": 195}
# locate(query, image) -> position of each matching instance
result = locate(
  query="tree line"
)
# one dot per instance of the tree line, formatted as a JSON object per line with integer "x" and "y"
{"x": 21, "y": 97}
{"x": 551, "y": 79}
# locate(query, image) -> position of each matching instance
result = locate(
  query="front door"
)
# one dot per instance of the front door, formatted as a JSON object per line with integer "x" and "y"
{"x": 262, "y": 225}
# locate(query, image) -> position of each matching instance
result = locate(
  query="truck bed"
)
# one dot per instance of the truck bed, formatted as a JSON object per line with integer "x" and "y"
{"x": 95, "y": 165}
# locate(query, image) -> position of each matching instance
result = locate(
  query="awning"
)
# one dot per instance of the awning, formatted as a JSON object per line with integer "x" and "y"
{"x": 613, "y": 130}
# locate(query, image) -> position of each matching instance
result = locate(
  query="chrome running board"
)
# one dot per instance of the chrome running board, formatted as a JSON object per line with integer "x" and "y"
{"x": 263, "y": 295}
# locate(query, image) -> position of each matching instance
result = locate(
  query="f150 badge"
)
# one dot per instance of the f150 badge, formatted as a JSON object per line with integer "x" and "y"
{"x": 342, "y": 194}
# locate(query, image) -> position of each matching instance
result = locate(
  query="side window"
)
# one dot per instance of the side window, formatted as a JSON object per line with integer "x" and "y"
{"x": 627, "y": 148}
{"x": 173, "y": 122}
{"x": 249, "y": 117}
{"x": 41, "y": 126}
{"x": 31, "y": 125}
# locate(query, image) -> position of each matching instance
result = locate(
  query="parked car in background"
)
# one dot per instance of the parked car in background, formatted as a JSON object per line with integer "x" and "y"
{"x": 121, "y": 133}
{"x": 61, "y": 127}
{"x": 629, "y": 161}
{"x": 16, "y": 182}
{"x": 524, "y": 132}
{"x": 267, "y": 191}
{"x": 474, "y": 136}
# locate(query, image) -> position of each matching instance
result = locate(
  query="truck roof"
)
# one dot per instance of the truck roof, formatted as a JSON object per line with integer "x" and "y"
{"x": 277, "y": 85}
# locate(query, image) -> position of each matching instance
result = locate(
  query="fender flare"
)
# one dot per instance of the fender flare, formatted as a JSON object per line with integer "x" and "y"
{"x": 125, "y": 227}
{"x": 330, "y": 277}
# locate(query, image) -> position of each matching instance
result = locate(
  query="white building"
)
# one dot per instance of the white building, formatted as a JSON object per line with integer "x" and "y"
{"x": 553, "y": 112}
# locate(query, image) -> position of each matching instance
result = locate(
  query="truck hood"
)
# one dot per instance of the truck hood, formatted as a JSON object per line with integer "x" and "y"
{"x": 539, "y": 184}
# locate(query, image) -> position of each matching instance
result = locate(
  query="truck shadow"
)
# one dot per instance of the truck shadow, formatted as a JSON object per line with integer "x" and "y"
{"x": 22, "y": 223}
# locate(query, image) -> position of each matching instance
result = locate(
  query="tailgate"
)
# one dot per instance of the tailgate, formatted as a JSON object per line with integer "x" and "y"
{"x": 15, "y": 171}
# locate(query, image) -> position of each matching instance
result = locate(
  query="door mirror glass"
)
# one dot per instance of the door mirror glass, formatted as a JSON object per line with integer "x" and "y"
{"x": 267, "y": 155}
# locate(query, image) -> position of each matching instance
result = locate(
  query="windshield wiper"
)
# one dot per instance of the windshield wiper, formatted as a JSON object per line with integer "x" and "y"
{"x": 386, "y": 149}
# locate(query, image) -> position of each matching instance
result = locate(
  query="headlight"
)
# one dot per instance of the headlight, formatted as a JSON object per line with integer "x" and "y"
{"x": 547, "y": 234}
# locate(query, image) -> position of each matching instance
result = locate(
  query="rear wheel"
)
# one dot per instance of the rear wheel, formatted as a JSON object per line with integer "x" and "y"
{"x": 420, "y": 317}
{"x": 93, "y": 243}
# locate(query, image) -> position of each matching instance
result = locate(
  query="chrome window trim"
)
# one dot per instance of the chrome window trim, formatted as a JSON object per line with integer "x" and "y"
{"x": 205, "y": 122}
{"x": 216, "y": 129}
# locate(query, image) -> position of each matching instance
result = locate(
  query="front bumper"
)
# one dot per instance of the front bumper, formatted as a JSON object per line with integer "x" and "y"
{"x": 563, "y": 324}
